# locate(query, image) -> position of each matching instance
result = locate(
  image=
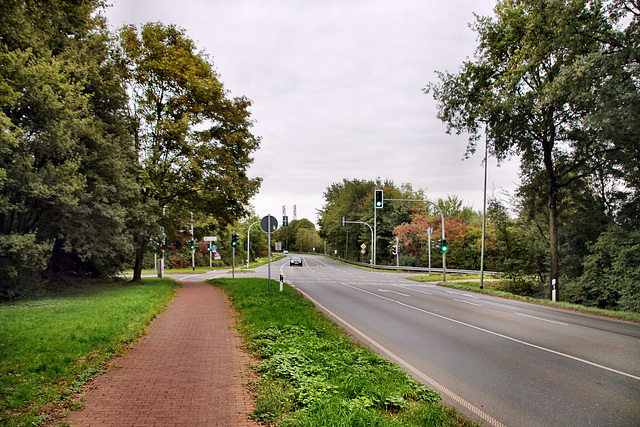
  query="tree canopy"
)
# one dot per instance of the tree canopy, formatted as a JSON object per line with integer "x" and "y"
{"x": 99, "y": 132}
{"x": 543, "y": 71}
{"x": 193, "y": 141}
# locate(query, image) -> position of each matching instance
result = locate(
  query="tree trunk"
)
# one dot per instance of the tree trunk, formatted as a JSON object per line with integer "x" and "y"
{"x": 140, "y": 250}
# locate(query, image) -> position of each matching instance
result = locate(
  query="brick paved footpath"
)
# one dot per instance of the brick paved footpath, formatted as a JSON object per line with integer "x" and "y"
{"x": 187, "y": 371}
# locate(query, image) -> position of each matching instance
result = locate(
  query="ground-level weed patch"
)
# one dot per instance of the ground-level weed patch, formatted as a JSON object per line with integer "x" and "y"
{"x": 50, "y": 347}
{"x": 314, "y": 375}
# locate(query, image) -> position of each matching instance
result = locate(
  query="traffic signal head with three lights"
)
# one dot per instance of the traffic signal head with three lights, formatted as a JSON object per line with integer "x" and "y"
{"x": 234, "y": 239}
{"x": 379, "y": 199}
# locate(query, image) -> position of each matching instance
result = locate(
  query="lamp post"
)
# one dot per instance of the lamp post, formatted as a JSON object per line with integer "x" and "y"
{"x": 248, "y": 241}
{"x": 484, "y": 208}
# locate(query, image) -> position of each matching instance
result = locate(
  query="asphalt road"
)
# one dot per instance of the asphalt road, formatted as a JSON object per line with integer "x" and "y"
{"x": 505, "y": 362}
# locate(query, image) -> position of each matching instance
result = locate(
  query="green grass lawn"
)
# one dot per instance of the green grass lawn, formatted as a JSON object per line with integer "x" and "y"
{"x": 314, "y": 375}
{"x": 50, "y": 347}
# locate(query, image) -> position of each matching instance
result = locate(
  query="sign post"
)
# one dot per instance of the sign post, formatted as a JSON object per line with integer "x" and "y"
{"x": 269, "y": 224}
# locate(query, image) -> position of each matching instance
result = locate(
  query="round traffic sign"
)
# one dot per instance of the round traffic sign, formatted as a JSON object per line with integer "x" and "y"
{"x": 269, "y": 224}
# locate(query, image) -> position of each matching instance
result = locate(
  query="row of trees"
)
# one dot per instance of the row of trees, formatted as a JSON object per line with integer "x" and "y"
{"x": 408, "y": 222}
{"x": 105, "y": 138}
{"x": 599, "y": 257}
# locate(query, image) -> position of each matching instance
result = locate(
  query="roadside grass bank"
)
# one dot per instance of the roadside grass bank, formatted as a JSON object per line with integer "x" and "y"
{"x": 201, "y": 270}
{"x": 50, "y": 347}
{"x": 493, "y": 287}
{"x": 313, "y": 374}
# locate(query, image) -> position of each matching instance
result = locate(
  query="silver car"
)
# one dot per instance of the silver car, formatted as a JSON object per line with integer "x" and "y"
{"x": 295, "y": 260}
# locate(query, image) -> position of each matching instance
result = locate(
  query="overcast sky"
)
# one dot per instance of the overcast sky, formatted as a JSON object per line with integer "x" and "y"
{"x": 337, "y": 92}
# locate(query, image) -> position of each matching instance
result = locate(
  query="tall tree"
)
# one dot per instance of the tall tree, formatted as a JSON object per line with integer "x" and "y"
{"x": 64, "y": 155}
{"x": 193, "y": 141}
{"x": 517, "y": 89}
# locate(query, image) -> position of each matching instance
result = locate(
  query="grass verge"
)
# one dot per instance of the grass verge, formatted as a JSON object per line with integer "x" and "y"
{"x": 50, "y": 347}
{"x": 313, "y": 374}
{"x": 201, "y": 270}
{"x": 491, "y": 288}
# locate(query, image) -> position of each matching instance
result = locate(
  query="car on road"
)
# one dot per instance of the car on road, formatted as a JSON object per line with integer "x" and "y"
{"x": 295, "y": 260}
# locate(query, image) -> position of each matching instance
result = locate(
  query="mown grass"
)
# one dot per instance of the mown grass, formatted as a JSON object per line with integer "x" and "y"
{"x": 495, "y": 288}
{"x": 314, "y": 375}
{"x": 201, "y": 270}
{"x": 50, "y": 347}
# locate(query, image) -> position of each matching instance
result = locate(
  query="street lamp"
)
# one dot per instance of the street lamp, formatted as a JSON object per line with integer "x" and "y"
{"x": 484, "y": 207}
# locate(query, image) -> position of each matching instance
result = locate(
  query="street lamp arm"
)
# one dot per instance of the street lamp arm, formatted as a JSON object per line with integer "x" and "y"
{"x": 371, "y": 229}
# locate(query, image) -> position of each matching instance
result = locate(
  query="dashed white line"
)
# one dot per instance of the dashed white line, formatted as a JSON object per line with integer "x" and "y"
{"x": 544, "y": 320}
{"x": 467, "y": 302}
{"x": 394, "y": 292}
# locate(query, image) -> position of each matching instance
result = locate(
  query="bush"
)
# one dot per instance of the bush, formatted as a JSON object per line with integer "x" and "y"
{"x": 611, "y": 276}
{"x": 22, "y": 260}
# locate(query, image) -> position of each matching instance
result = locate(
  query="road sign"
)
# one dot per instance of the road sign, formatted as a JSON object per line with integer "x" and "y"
{"x": 363, "y": 246}
{"x": 269, "y": 224}
{"x": 363, "y": 251}
{"x": 210, "y": 239}
{"x": 214, "y": 247}
{"x": 216, "y": 256}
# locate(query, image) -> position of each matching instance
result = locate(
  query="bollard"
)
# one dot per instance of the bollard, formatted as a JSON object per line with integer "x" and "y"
{"x": 281, "y": 280}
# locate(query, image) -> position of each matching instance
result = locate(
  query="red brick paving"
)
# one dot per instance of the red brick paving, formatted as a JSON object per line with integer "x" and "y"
{"x": 187, "y": 371}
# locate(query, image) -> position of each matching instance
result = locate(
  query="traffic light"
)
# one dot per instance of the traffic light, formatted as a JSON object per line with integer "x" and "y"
{"x": 192, "y": 244}
{"x": 394, "y": 249}
{"x": 444, "y": 247}
{"x": 379, "y": 199}
{"x": 234, "y": 239}
{"x": 285, "y": 221}
{"x": 343, "y": 221}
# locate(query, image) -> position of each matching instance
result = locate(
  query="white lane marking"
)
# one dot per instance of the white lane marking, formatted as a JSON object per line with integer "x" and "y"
{"x": 394, "y": 292}
{"x": 467, "y": 302}
{"x": 544, "y": 320}
{"x": 408, "y": 288}
{"x": 433, "y": 383}
{"x": 558, "y": 353}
